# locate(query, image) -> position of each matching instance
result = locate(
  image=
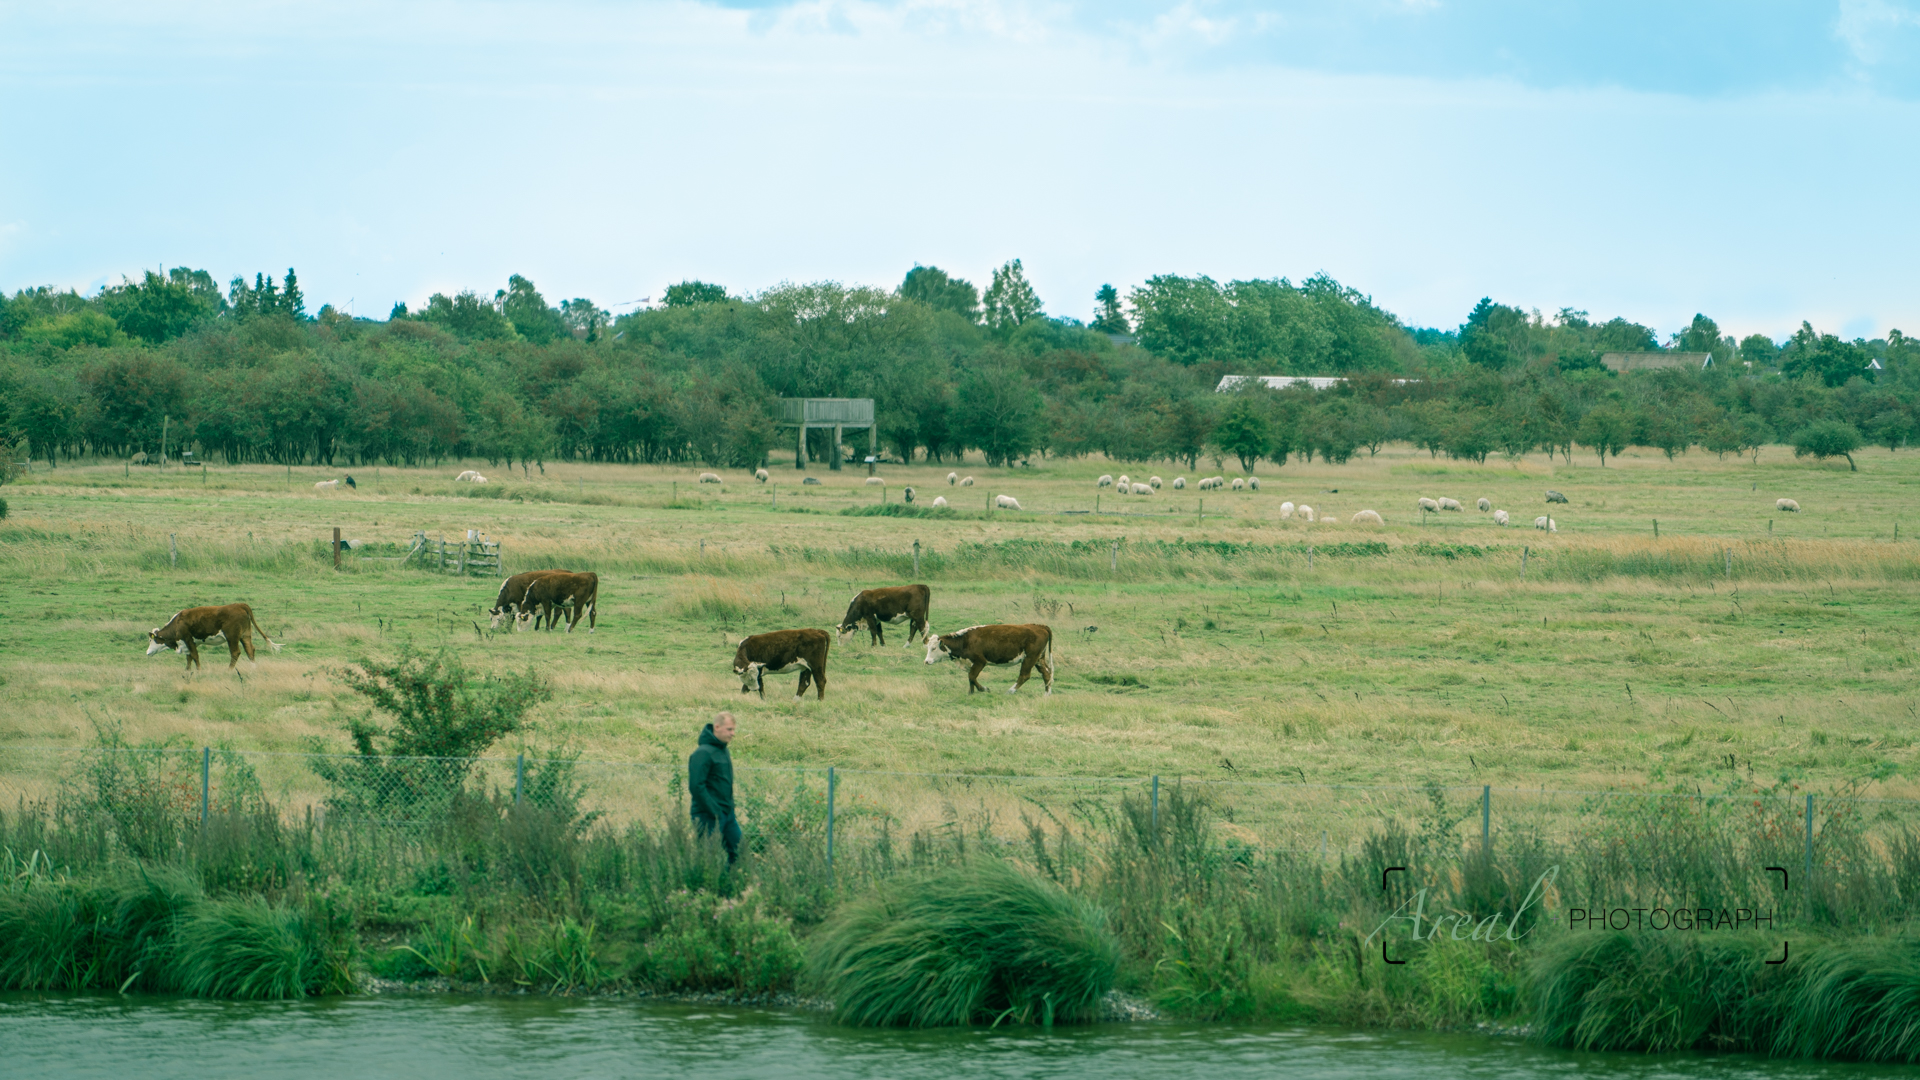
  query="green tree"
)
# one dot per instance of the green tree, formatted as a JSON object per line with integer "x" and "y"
{"x": 1604, "y": 431}
{"x": 1107, "y": 317}
{"x": 1722, "y": 438}
{"x": 75, "y": 329}
{"x": 1494, "y": 335}
{"x": 527, "y": 310}
{"x": 584, "y": 318}
{"x": 1244, "y": 431}
{"x": 1754, "y": 434}
{"x": 156, "y": 309}
{"x": 1891, "y": 428}
{"x": 468, "y": 316}
{"x": 1184, "y": 429}
{"x": 51, "y": 412}
{"x": 1823, "y": 439}
{"x": 1824, "y": 356}
{"x": 690, "y": 293}
{"x": 1010, "y": 300}
{"x": 997, "y": 411}
{"x": 1184, "y": 320}
{"x": 933, "y": 287}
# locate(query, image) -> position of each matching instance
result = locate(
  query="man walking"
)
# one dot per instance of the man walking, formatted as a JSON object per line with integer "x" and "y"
{"x": 710, "y": 783}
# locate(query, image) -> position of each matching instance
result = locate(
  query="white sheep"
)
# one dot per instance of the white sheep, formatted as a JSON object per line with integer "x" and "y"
{"x": 1123, "y": 480}
{"x": 967, "y": 482}
{"x": 1450, "y": 504}
{"x": 1253, "y": 483}
{"x": 1545, "y": 524}
{"x": 710, "y": 478}
{"x": 1286, "y": 510}
{"x": 1219, "y": 481}
{"x": 1304, "y": 512}
{"x": 1179, "y": 483}
{"x": 1006, "y": 502}
{"x": 1429, "y": 505}
{"x": 940, "y": 500}
{"x": 1106, "y": 480}
{"x": 1239, "y": 483}
{"x": 1153, "y": 482}
{"x": 1787, "y": 505}
{"x": 874, "y": 481}
{"x": 1143, "y": 489}
{"x": 1500, "y": 518}
{"x": 907, "y": 492}
{"x": 326, "y": 485}
{"x": 1368, "y": 517}
{"x": 952, "y": 478}
{"x": 760, "y": 475}
{"x": 465, "y": 477}
{"x": 1484, "y": 505}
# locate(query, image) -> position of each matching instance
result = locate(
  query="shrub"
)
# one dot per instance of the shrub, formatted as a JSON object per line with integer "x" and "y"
{"x": 709, "y": 942}
{"x": 250, "y": 949}
{"x": 3, "y": 509}
{"x": 1823, "y": 439}
{"x": 1854, "y": 1000}
{"x": 981, "y": 942}
{"x": 1653, "y": 992}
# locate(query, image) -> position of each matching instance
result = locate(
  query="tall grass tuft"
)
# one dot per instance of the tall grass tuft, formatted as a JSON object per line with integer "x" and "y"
{"x": 1652, "y": 992}
{"x": 981, "y": 942}
{"x": 1857, "y": 999}
{"x": 250, "y": 949}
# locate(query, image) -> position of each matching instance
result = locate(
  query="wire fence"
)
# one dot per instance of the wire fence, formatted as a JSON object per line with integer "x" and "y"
{"x": 824, "y": 808}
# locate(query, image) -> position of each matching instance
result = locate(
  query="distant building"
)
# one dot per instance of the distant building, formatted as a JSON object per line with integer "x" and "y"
{"x": 1655, "y": 361}
{"x": 1282, "y": 382}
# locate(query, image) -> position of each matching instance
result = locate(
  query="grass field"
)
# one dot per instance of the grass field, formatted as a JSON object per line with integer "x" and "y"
{"x": 1408, "y": 653}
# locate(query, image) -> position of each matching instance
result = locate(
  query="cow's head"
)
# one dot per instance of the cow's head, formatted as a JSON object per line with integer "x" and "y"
{"x": 495, "y": 616}
{"x": 753, "y": 677}
{"x": 937, "y": 649}
{"x": 155, "y": 645}
{"x": 523, "y": 620}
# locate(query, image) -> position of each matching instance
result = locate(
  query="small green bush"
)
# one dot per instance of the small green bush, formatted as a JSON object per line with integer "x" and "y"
{"x": 1654, "y": 992}
{"x": 3, "y": 509}
{"x": 1856, "y": 1000}
{"x": 708, "y": 942}
{"x": 977, "y": 943}
{"x": 250, "y": 949}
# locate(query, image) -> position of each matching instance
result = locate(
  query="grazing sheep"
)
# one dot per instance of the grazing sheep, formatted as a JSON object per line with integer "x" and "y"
{"x": 465, "y": 477}
{"x": 1787, "y": 505}
{"x": 967, "y": 482}
{"x": 1105, "y": 481}
{"x": 1554, "y": 496}
{"x": 1484, "y": 505}
{"x": 1429, "y": 506}
{"x": 1123, "y": 481}
{"x": 1305, "y": 512}
{"x": 710, "y": 478}
{"x": 326, "y": 485}
{"x": 760, "y": 475}
{"x": 909, "y": 493}
{"x": 810, "y": 480}
{"x": 1239, "y": 483}
{"x": 1253, "y": 483}
{"x": 940, "y": 500}
{"x": 1219, "y": 481}
{"x": 874, "y": 481}
{"x": 1179, "y": 482}
{"x": 1153, "y": 482}
{"x": 1286, "y": 510}
{"x": 1451, "y": 504}
{"x": 1006, "y": 502}
{"x": 1143, "y": 489}
{"x": 1368, "y": 517}
{"x": 1545, "y": 524}
{"x": 952, "y": 478}
{"x": 1500, "y": 518}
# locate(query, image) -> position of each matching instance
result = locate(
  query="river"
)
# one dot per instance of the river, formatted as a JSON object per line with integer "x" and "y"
{"x": 76, "y": 1037}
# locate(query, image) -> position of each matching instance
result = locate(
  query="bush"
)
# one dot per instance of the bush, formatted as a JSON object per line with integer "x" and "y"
{"x": 1854, "y": 1000}
{"x": 250, "y": 949}
{"x": 1653, "y": 992}
{"x": 981, "y": 942}
{"x": 709, "y": 942}
{"x": 3, "y": 509}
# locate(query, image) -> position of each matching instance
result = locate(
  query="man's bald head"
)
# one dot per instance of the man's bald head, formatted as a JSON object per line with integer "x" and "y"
{"x": 723, "y": 727}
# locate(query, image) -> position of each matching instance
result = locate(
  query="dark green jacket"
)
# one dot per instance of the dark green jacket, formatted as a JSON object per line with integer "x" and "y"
{"x": 710, "y": 778}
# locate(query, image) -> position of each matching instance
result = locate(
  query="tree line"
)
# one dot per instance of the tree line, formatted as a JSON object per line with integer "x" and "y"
{"x": 247, "y": 374}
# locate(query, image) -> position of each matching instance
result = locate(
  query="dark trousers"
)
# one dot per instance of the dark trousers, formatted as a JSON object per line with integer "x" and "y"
{"x": 729, "y": 834}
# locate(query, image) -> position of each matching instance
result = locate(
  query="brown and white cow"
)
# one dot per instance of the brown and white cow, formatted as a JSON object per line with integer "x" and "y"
{"x": 898, "y": 604}
{"x": 548, "y": 595}
{"x": 779, "y": 653}
{"x": 512, "y": 599}
{"x": 1031, "y": 644}
{"x": 184, "y": 632}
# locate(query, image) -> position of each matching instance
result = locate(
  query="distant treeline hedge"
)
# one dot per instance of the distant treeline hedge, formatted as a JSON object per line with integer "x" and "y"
{"x": 249, "y": 376}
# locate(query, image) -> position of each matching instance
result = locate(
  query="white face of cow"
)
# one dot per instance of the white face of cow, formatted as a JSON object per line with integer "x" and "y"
{"x": 498, "y": 614}
{"x": 936, "y": 650}
{"x": 153, "y": 642}
{"x": 751, "y": 676}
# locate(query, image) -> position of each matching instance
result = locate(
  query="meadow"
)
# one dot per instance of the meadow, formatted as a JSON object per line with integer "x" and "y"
{"x": 1195, "y": 634}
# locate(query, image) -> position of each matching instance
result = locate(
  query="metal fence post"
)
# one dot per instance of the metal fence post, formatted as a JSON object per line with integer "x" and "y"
{"x": 1486, "y": 820}
{"x": 1156, "y": 807}
{"x": 832, "y": 784}
{"x": 1809, "y": 872}
{"x": 206, "y": 766}
{"x": 519, "y": 778}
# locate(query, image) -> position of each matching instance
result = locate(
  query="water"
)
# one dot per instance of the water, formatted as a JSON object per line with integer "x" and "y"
{"x": 71, "y": 1037}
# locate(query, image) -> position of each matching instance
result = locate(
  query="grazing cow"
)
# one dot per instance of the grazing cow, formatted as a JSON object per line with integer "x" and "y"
{"x": 710, "y": 478}
{"x": 779, "y": 653}
{"x": 940, "y": 500}
{"x": 1555, "y": 497}
{"x": 897, "y": 604}
{"x": 952, "y": 478}
{"x": 1179, "y": 482}
{"x": 760, "y": 475}
{"x": 1006, "y": 502}
{"x": 547, "y": 595}
{"x": 512, "y": 599}
{"x": 1104, "y": 481}
{"x": 1031, "y": 644}
{"x": 185, "y": 631}
{"x": 967, "y": 482}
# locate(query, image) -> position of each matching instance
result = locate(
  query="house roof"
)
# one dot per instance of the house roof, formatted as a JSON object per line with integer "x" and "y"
{"x": 1653, "y": 361}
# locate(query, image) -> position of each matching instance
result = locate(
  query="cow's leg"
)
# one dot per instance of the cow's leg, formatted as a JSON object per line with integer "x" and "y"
{"x": 1046, "y": 671}
{"x": 246, "y": 642}
{"x": 806, "y": 676}
{"x": 973, "y": 677}
{"x": 593, "y": 612}
{"x": 1026, "y": 672}
{"x": 193, "y": 653}
{"x": 233, "y": 653}
{"x": 820, "y": 684}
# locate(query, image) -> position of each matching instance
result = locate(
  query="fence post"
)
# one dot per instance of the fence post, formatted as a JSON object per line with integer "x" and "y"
{"x": 519, "y": 777}
{"x": 1156, "y": 807}
{"x": 1809, "y": 872}
{"x": 173, "y": 553}
{"x": 206, "y": 763}
{"x": 1656, "y": 528}
{"x": 1523, "y": 564}
{"x": 1729, "y": 564}
{"x": 832, "y": 784}
{"x": 1486, "y": 821}
{"x": 1113, "y": 557}
{"x": 1309, "y": 556}
{"x": 916, "y": 558}
{"x": 336, "y": 547}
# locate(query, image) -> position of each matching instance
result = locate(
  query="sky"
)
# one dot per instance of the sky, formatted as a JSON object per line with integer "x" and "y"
{"x": 1756, "y": 161}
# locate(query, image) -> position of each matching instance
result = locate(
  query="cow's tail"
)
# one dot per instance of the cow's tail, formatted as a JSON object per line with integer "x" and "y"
{"x": 263, "y": 632}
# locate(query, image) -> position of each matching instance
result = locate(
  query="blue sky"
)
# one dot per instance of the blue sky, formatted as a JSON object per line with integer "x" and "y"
{"x": 1754, "y": 161}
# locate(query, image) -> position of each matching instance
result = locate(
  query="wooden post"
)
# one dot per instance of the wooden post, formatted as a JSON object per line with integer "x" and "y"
{"x": 1729, "y": 562}
{"x": 1113, "y": 558}
{"x": 1523, "y": 564}
{"x": 336, "y": 547}
{"x": 165, "y": 421}
{"x": 464, "y": 545}
{"x": 1656, "y": 528}
{"x": 839, "y": 432}
{"x": 173, "y": 553}
{"x": 800, "y": 449}
{"x": 1309, "y": 556}
{"x": 916, "y": 558}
